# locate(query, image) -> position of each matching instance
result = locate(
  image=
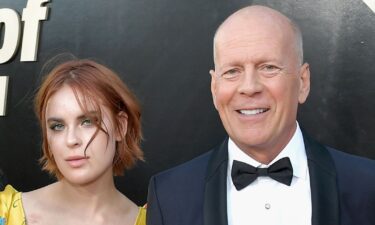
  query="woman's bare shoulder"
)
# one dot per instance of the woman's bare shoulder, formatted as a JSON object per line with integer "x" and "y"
{"x": 38, "y": 195}
{"x": 37, "y": 202}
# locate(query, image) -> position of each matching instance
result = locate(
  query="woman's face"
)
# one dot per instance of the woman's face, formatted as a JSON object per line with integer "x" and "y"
{"x": 69, "y": 132}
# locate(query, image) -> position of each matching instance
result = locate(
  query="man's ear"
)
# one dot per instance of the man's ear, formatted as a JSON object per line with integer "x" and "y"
{"x": 122, "y": 126}
{"x": 304, "y": 88}
{"x": 213, "y": 86}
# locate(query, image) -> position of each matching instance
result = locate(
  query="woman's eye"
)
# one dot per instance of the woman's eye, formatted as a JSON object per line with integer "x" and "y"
{"x": 57, "y": 126}
{"x": 87, "y": 122}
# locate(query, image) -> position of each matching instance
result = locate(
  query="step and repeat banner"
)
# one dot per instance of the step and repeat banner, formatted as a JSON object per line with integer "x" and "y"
{"x": 163, "y": 50}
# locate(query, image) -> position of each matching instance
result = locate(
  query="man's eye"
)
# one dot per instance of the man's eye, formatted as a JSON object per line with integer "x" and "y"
{"x": 57, "y": 127}
{"x": 270, "y": 67}
{"x": 230, "y": 73}
{"x": 270, "y": 70}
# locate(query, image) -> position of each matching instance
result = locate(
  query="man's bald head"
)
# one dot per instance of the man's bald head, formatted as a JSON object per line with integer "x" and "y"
{"x": 254, "y": 19}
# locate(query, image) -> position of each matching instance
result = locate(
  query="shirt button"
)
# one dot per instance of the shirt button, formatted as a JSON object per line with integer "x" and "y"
{"x": 267, "y": 206}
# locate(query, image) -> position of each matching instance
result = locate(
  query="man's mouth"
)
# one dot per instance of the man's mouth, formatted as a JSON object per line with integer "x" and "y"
{"x": 250, "y": 112}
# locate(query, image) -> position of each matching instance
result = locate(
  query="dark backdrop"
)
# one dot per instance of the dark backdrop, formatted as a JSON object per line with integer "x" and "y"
{"x": 163, "y": 51}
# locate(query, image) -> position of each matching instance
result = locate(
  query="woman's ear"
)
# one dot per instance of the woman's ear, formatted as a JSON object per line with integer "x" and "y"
{"x": 122, "y": 126}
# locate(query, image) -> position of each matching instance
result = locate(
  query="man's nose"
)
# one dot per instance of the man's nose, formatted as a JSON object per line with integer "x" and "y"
{"x": 250, "y": 83}
{"x": 73, "y": 138}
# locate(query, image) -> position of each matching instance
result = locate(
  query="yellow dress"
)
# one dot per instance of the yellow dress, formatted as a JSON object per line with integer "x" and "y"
{"x": 11, "y": 209}
{"x": 141, "y": 218}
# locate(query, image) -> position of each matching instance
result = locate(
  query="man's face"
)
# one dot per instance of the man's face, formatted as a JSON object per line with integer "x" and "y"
{"x": 257, "y": 85}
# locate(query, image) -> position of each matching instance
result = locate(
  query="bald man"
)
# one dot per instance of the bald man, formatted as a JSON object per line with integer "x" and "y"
{"x": 267, "y": 171}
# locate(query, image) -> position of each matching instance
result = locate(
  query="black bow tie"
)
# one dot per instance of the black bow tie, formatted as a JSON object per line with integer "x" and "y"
{"x": 243, "y": 174}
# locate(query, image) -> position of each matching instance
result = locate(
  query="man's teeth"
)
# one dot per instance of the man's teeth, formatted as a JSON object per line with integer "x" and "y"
{"x": 252, "y": 111}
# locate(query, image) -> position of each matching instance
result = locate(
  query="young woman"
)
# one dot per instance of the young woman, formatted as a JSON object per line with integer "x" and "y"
{"x": 91, "y": 132}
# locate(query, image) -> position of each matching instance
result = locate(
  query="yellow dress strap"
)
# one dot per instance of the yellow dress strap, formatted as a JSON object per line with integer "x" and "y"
{"x": 141, "y": 218}
{"x": 11, "y": 209}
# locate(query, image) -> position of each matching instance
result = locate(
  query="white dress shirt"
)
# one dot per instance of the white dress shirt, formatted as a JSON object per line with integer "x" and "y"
{"x": 266, "y": 201}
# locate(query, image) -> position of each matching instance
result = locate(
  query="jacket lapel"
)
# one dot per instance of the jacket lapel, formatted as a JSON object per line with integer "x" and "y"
{"x": 215, "y": 196}
{"x": 324, "y": 192}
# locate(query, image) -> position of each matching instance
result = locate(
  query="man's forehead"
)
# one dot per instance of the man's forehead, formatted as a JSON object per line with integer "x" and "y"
{"x": 253, "y": 19}
{"x": 253, "y": 38}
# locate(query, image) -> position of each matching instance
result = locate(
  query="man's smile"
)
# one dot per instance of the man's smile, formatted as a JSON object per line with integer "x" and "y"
{"x": 250, "y": 112}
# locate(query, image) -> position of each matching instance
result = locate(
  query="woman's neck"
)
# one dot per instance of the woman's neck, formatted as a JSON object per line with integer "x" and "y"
{"x": 91, "y": 196}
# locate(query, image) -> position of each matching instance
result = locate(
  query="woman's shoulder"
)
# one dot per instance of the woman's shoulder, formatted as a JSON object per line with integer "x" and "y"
{"x": 11, "y": 208}
{"x": 37, "y": 201}
{"x": 141, "y": 217}
{"x": 37, "y": 193}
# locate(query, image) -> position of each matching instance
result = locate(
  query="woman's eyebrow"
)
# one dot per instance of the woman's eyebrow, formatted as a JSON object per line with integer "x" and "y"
{"x": 54, "y": 119}
{"x": 80, "y": 117}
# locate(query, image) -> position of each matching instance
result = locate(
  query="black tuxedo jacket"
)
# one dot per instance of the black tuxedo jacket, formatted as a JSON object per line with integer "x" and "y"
{"x": 194, "y": 193}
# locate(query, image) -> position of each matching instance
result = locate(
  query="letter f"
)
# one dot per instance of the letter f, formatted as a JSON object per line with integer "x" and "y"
{"x": 31, "y": 15}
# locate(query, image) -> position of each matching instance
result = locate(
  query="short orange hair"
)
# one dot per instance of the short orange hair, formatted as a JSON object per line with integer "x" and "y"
{"x": 98, "y": 85}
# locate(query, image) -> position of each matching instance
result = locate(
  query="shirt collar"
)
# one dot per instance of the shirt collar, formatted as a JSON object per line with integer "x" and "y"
{"x": 295, "y": 150}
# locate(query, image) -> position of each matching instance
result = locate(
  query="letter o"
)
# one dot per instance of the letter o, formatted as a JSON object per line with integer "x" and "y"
{"x": 11, "y": 20}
